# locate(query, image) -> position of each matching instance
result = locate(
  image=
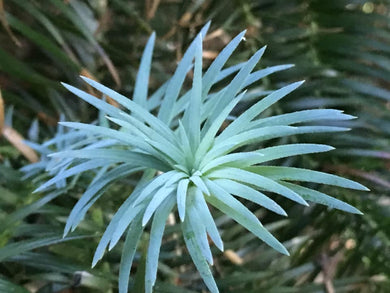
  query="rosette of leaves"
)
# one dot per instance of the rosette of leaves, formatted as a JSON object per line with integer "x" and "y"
{"x": 190, "y": 162}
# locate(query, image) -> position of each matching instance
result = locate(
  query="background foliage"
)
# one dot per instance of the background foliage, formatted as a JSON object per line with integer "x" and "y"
{"x": 341, "y": 49}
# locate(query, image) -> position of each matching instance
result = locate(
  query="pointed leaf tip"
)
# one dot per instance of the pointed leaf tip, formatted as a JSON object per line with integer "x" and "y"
{"x": 261, "y": 50}
{"x": 95, "y": 261}
{"x": 111, "y": 246}
{"x": 285, "y": 251}
{"x": 84, "y": 77}
{"x": 37, "y": 190}
{"x": 65, "y": 233}
{"x": 355, "y": 211}
{"x": 65, "y": 85}
{"x": 145, "y": 221}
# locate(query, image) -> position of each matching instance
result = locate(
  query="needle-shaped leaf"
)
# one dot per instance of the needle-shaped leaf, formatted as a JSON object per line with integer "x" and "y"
{"x": 175, "y": 84}
{"x": 70, "y": 136}
{"x": 302, "y": 116}
{"x": 242, "y": 122}
{"x": 233, "y": 160}
{"x": 247, "y": 137}
{"x": 85, "y": 166}
{"x": 262, "y": 134}
{"x": 215, "y": 68}
{"x": 297, "y": 174}
{"x": 208, "y": 136}
{"x": 229, "y": 71}
{"x": 208, "y": 221}
{"x": 170, "y": 152}
{"x": 200, "y": 184}
{"x": 106, "y": 238}
{"x": 123, "y": 223}
{"x": 141, "y": 113}
{"x": 257, "y": 180}
{"x": 154, "y": 184}
{"x": 181, "y": 195}
{"x": 185, "y": 145}
{"x": 127, "y": 138}
{"x": 198, "y": 258}
{"x": 255, "y": 76}
{"x": 154, "y": 100}
{"x": 136, "y": 158}
{"x": 128, "y": 127}
{"x": 99, "y": 104}
{"x": 155, "y": 202}
{"x": 251, "y": 194}
{"x": 199, "y": 233}
{"x": 156, "y": 234}
{"x": 223, "y": 201}
{"x": 142, "y": 80}
{"x": 288, "y": 150}
{"x": 192, "y": 116}
{"x": 234, "y": 86}
{"x": 128, "y": 252}
{"x": 112, "y": 175}
{"x": 322, "y": 198}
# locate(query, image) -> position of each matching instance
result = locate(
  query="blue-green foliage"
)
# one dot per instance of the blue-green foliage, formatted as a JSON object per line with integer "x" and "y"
{"x": 60, "y": 168}
{"x": 189, "y": 160}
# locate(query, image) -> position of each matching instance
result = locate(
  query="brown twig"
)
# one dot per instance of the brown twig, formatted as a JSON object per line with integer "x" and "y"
{"x": 151, "y": 8}
{"x": 16, "y": 140}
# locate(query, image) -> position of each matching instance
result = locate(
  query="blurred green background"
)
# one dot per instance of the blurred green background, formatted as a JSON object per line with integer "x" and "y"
{"x": 341, "y": 48}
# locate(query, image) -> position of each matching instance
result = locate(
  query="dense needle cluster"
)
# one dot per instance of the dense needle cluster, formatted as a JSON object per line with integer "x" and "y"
{"x": 189, "y": 162}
